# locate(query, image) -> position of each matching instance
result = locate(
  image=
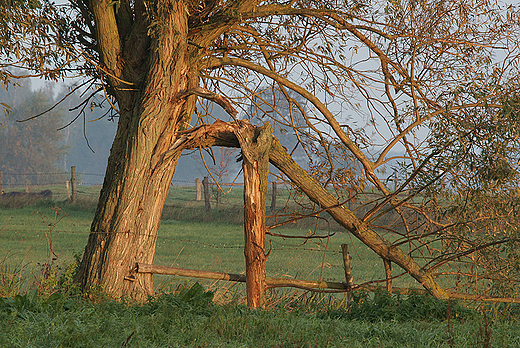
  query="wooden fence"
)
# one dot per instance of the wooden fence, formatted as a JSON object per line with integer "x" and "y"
{"x": 205, "y": 184}
{"x": 346, "y": 286}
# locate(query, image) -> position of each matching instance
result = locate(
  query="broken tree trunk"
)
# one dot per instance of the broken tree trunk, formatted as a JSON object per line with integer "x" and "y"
{"x": 222, "y": 134}
{"x": 255, "y": 143}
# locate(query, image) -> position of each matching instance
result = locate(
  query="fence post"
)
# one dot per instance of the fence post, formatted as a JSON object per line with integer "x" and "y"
{"x": 205, "y": 182}
{"x": 273, "y": 198}
{"x": 67, "y": 186}
{"x": 73, "y": 184}
{"x": 388, "y": 273}
{"x": 1, "y": 181}
{"x": 349, "y": 279}
{"x": 199, "y": 189}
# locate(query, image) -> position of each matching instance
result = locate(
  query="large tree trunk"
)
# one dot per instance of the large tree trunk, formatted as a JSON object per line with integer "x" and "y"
{"x": 124, "y": 230}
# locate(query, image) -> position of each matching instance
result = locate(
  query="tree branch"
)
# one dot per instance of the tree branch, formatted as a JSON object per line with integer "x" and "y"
{"x": 367, "y": 164}
{"x": 124, "y": 19}
{"x": 107, "y": 35}
{"x": 224, "y": 102}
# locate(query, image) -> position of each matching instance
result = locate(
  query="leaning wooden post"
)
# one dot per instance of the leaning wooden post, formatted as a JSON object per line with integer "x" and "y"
{"x": 205, "y": 182}
{"x": 73, "y": 185}
{"x": 388, "y": 273}
{"x": 273, "y": 198}
{"x": 349, "y": 279}
{"x": 255, "y": 144}
{"x": 1, "y": 181}
{"x": 199, "y": 189}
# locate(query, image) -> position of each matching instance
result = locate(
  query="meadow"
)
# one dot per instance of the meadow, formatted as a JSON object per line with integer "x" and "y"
{"x": 189, "y": 237}
{"x": 49, "y": 236}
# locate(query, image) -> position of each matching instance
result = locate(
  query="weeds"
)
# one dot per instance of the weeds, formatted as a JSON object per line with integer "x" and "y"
{"x": 190, "y": 318}
{"x": 484, "y": 332}
{"x": 388, "y": 307}
{"x": 12, "y": 280}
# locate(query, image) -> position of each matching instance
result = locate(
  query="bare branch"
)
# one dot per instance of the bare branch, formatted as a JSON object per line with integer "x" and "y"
{"x": 224, "y": 102}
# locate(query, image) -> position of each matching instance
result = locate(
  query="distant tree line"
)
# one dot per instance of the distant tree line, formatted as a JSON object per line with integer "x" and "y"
{"x": 29, "y": 147}
{"x": 49, "y": 144}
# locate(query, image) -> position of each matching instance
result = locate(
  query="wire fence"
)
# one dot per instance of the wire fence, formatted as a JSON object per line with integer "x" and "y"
{"x": 189, "y": 236}
{"x": 16, "y": 180}
{"x": 201, "y": 251}
{"x": 170, "y": 238}
{"x": 196, "y": 244}
{"x": 22, "y": 180}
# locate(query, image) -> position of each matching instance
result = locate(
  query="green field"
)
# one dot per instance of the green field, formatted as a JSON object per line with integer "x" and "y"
{"x": 189, "y": 238}
{"x": 31, "y": 236}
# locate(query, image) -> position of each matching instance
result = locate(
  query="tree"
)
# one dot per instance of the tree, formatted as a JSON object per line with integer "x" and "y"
{"x": 27, "y": 40}
{"x": 476, "y": 199}
{"x": 30, "y": 147}
{"x": 391, "y": 62}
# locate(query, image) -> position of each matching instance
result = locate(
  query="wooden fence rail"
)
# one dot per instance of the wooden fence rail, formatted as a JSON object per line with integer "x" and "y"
{"x": 318, "y": 286}
{"x": 271, "y": 282}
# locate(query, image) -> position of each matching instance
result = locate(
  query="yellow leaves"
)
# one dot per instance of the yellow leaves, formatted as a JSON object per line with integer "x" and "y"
{"x": 6, "y": 106}
{"x": 7, "y": 111}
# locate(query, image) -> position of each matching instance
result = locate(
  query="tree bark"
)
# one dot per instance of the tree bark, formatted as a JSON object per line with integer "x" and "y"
{"x": 255, "y": 144}
{"x": 125, "y": 226}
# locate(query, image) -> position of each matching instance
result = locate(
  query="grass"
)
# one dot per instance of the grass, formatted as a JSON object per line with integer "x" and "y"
{"x": 49, "y": 312}
{"x": 189, "y": 237}
{"x": 189, "y": 318}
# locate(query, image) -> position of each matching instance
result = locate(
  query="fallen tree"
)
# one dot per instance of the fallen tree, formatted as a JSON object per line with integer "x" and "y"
{"x": 223, "y": 134}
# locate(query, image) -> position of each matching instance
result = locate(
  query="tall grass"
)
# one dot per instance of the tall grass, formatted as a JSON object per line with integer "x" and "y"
{"x": 12, "y": 279}
{"x": 190, "y": 318}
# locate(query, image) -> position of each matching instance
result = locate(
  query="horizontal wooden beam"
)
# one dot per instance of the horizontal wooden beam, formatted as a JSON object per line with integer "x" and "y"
{"x": 305, "y": 284}
{"x": 271, "y": 282}
{"x": 183, "y": 272}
